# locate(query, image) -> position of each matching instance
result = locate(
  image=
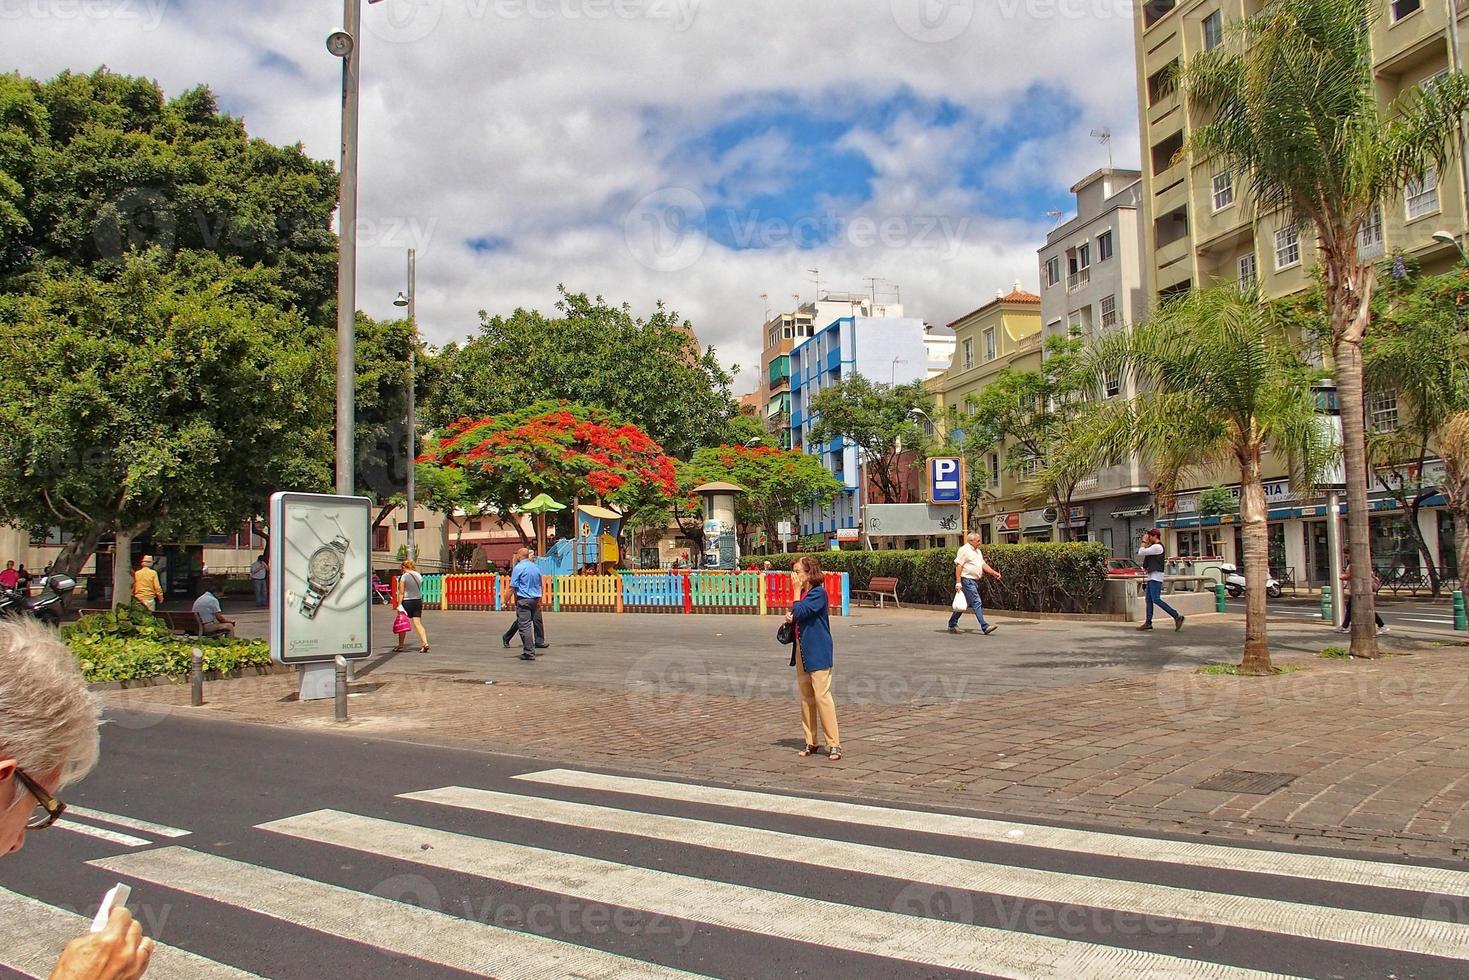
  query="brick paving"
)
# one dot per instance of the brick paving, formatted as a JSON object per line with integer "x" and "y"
{"x": 1119, "y": 739}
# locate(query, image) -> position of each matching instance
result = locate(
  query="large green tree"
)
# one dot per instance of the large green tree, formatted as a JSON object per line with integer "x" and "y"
{"x": 1044, "y": 418}
{"x": 1290, "y": 104}
{"x": 96, "y": 167}
{"x": 881, "y": 419}
{"x": 1223, "y": 383}
{"x": 149, "y": 403}
{"x": 647, "y": 370}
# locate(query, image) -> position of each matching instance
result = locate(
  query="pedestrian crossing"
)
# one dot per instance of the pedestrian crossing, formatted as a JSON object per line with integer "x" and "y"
{"x": 440, "y": 837}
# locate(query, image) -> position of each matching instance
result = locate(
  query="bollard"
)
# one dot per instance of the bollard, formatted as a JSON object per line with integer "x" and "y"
{"x": 341, "y": 688}
{"x": 1461, "y": 623}
{"x": 1326, "y": 603}
{"x": 1219, "y": 605}
{"x": 196, "y": 678}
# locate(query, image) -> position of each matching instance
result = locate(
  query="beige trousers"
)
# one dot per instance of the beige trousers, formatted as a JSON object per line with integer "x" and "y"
{"x": 817, "y": 704}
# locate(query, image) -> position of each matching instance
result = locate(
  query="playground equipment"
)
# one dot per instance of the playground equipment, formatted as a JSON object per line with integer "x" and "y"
{"x": 594, "y": 550}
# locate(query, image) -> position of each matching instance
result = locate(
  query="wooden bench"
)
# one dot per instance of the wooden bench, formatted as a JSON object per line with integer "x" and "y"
{"x": 181, "y": 621}
{"x": 877, "y": 590}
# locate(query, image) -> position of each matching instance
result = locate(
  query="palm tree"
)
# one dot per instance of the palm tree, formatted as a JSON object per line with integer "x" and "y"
{"x": 1453, "y": 443}
{"x": 1221, "y": 382}
{"x": 1290, "y": 105}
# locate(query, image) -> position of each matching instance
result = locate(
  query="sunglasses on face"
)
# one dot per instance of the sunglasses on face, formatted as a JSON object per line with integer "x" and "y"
{"x": 48, "y": 808}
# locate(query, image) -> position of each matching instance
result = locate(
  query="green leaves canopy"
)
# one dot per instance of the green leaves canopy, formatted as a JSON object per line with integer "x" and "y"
{"x": 778, "y": 483}
{"x": 875, "y": 416}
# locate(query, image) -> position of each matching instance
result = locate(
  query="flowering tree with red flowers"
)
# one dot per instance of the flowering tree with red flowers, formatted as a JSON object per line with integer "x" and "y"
{"x": 572, "y": 452}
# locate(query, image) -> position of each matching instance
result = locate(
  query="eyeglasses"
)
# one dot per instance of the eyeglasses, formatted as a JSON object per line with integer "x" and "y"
{"x": 48, "y": 807}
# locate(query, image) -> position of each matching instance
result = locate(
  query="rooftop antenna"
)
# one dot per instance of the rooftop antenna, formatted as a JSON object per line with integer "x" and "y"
{"x": 816, "y": 273}
{"x": 765, "y": 298}
{"x": 872, "y": 282}
{"x": 1055, "y": 215}
{"x": 1104, "y": 136}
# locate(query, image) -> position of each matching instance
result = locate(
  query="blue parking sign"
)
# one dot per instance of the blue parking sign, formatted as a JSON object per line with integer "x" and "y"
{"x": 945, "y": 480}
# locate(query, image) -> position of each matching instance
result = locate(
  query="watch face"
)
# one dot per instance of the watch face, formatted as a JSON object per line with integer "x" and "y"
{"x": 326, "y": 565}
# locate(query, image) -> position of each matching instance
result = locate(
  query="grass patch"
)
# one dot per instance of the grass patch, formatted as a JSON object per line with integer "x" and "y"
{"x": 1336, "y": 653}
{"x": 1232, "y": 670}
{"x": 132, "y": 644}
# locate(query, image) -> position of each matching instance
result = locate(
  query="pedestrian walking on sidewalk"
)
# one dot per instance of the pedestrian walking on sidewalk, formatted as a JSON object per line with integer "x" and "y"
{"x": 523, "y": 554}
{"x": 812, "y": 658}
{"x": 147, "y": 589}
{"x": 259, "y": 579}
{"x": 525, "y": 582}
{"x": 1346, "y": 591}
{"x": 411, "y": 601}
{"x": 1151, "y": 555}
{"x": 969, "y": 568}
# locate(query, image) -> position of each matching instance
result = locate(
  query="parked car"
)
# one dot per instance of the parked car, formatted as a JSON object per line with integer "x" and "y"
{"x": 1123, "y": 567}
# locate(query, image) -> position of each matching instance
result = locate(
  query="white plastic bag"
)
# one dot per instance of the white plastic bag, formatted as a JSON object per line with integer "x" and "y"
{"x": 960, "y": 602}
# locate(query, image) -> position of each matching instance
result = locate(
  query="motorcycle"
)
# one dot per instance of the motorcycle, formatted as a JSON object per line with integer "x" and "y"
{"x": 46, "y": 607}
{"x": 1234, "y": 582}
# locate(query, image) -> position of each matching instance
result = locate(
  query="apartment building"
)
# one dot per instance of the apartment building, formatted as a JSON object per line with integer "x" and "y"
{"x": 1092, "y": 282}
{"x": 1200, "y": 231}
{"x": 890, "y": 350}
{"x": 1004, "y": 333}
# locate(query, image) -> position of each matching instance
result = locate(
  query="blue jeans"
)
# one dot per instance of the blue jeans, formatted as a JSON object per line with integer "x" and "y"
{"x": 971, "y": 593}
{"x": 1155, "y": 598}
{"x": 260, "y": 587}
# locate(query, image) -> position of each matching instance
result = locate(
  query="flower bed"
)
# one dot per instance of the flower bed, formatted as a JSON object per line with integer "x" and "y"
{"x": 131, "y": 644}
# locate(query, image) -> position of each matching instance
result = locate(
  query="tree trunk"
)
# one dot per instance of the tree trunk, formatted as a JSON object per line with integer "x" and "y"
{"x": 122, "y": 568}
{"x": 74, "y": 553}
{"x": 1461, "y": 542}
{"x": 1359, "y": 537}
{"x": 1410, "y": 514}
{"x": 1256, "y": 536}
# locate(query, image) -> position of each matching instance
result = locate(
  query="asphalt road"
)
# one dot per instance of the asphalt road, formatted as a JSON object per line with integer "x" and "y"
{"x": 291, "y": 855}
{"x": 1421, "y": 613}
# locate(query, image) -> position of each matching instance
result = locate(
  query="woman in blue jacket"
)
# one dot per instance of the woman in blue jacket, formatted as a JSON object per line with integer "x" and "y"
{"x": 811, "y": 614}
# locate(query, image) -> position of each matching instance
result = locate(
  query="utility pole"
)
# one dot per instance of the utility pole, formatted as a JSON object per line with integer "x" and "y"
{"x": 412, "y": 381}
{"x": 343, "y": 44}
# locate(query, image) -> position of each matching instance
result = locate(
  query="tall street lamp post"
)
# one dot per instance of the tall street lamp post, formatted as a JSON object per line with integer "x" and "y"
{"x": 410, "y": 300}
{"x": 343, "y": 44}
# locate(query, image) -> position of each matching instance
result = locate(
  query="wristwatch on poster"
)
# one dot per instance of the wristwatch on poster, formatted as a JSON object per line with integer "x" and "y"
{"x": 323, "y": 573}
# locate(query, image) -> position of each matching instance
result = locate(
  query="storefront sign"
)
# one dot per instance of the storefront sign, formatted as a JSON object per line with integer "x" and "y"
{"x": 1276, "y": 492}
{"x": 848, "y": 534}
{"x": 1038, "y": 519}
{"x": 1008, "y": 523}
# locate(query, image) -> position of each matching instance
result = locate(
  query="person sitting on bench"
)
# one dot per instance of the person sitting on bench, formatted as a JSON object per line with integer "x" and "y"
{"x": 211, "y": 620}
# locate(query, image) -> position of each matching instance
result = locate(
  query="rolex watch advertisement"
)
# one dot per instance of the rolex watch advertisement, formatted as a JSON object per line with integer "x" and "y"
{"x": 320, "y": 577}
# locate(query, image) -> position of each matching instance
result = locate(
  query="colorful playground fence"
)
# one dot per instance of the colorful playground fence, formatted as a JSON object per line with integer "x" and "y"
{"x": 758, "y": 593}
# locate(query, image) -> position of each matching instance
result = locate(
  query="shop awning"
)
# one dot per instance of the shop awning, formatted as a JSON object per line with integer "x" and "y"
{"x": 1131, "y": 512}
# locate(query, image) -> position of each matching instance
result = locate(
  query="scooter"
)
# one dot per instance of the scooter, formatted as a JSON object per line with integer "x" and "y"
{"x": 1234, "y": 582}
{"x": 46, "y": 607}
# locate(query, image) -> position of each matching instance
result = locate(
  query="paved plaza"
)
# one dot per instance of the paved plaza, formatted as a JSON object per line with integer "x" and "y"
{"x": 1090, "y": 722}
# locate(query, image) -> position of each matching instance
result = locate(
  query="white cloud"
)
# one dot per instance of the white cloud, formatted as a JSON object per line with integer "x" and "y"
{"x": 541, "y": 122}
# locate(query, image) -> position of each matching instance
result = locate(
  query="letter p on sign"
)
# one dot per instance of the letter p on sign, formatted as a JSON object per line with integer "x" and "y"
{"x": 945, "y": 483}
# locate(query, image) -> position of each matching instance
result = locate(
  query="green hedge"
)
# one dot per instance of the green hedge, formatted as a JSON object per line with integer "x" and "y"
{"x": 1038, "y": 577}
{"x": 131, "y": 644}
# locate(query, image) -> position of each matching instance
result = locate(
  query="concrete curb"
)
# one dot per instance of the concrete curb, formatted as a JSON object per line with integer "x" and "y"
{"x": 209, "y": 675}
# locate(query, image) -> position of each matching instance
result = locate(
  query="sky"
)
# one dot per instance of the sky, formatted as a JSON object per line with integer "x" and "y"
{"x": 695, "y": 152}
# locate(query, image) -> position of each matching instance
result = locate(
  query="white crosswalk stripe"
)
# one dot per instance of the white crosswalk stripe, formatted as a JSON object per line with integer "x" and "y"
{"x": 932, "y": 942}
{"x": 1438, "y": 881}
{"x": 1237, "y": 911}
{"x": 36, "y": 933}
{"x": 423, "y": 934}
{"x": 436, "y": 910}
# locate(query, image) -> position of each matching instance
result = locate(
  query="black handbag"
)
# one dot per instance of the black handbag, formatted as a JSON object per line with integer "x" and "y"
{"x": 786, "y": 633}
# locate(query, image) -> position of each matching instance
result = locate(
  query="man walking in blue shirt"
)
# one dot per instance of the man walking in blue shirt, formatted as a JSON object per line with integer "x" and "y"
{"x": 525, "y": 581}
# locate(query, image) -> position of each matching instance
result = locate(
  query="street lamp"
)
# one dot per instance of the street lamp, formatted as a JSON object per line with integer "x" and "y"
{"x": 1449, "y": 238}
{"x": 410, "y": 300}
{"x": 343, "y": 44}
{"x": 753, "y": 442}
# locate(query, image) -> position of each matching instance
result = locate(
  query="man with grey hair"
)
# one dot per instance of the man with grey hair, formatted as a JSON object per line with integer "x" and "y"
{"x": 969, "y": 568}
{"x": 48, "y": 738}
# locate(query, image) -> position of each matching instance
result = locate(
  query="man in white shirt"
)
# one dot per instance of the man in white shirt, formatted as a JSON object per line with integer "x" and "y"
{"x": 207, "y": 608}
{"x": 969, "y": 568}
{"x": 1150, "y": 556}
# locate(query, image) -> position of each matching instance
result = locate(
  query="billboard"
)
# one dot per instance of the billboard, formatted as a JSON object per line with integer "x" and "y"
{"x": 320, "y": 577}
{"x": 945, "y": 480}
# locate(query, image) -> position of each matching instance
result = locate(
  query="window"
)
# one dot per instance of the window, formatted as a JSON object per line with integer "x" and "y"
{"x": 1114, "y": 385}
{"x": 1223, "y": 190}
{"x": 1029, "y": 468}
{"x": 1074, "y": 324}
{"x": 1382, "y": 411}
{"x": 1084, "y": 256}
{"x": 1213, "y": 31}
{"x": 1104, "y": 246}
{"x": 1402, "y": 8}
{"x": 380, "y": 538}
{"x": 1109, "y": 311}
{"x": 968, "y": 353}
{"x": 1053, "y": 270}
{"x": 1287, "y": 247}
{"x": 994, "y": 468}
{"x": 991, "y": 348}
{"x": 1431, "y": 82}
{"x": 1422, "y": 195}
{"x": 1369, "y": 236}
{"x": 1247, "y": 272}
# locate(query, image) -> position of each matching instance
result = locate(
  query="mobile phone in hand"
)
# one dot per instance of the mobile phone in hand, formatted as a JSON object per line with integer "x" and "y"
{"x": 116, "y": 896}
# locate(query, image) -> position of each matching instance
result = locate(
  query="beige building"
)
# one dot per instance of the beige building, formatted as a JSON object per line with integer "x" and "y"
{"x": 1004, "y": 333}
{"x": 1200, "y": 231}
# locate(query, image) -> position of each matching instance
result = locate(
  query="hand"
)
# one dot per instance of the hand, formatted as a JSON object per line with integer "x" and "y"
{"x": 996, "y": 573}
{"x": 958, "y": 586}
{"x": 790, "y": 618}
{"x": 118, "y": 952}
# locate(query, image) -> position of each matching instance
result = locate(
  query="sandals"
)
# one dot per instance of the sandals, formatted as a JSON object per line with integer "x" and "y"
{"x": 833, "y": 753}
{"x": 423, "y": 649}
{"x": 809, "y": 750}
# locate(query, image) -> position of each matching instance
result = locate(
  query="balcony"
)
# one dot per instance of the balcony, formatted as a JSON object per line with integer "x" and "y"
{"x": 1078, "y": 279}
